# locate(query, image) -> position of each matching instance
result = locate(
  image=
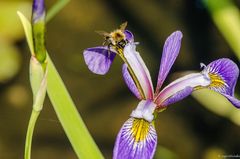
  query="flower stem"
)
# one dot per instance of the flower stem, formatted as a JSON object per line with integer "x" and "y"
{"x": 31, "y": 125}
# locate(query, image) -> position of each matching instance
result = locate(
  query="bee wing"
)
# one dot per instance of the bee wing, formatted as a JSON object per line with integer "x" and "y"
{"x": 104, "y": 33}
{"x": 123, "y": 26}
{"x": 99, "y": 59}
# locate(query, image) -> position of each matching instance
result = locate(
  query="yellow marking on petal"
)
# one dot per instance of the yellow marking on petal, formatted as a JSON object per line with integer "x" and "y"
{"x": 140, "y": 129}
{"x": 216, "y": 81}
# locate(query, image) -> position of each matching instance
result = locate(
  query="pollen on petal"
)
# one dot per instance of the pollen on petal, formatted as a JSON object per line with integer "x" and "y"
{"x": 136, "y": 139}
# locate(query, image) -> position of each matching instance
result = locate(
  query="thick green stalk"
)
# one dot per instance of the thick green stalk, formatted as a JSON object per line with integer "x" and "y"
{"x": 28, "y": 141}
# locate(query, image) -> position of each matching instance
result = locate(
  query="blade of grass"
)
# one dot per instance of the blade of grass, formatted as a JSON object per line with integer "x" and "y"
{"x": 226, "y": 17}
{"x": 56, "y": 8}
{"x": 67, "y": 113}
{"x": 28, "y": 31}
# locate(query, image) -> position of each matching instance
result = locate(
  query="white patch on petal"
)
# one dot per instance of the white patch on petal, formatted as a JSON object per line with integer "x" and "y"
{"x": 144, "y": 110}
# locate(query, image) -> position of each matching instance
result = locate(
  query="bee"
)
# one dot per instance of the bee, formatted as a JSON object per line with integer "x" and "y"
{"x": 116, "y": 38}
{"x": 99, "y": 58}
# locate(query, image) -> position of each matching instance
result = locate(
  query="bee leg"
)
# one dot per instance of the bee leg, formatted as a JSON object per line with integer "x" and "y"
{"x": 109, "y": 47}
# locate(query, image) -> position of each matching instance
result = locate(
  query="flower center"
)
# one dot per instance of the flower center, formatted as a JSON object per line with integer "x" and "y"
{"x": 144, "y": 110}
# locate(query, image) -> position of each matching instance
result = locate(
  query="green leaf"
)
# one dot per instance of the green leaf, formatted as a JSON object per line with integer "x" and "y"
{"x": 67, "y": 113}
{"x": 56, "y": 8}
{"x": 28, "y": 31}
{"x": 217, "y": 104}
{"x": 226, "y": 17}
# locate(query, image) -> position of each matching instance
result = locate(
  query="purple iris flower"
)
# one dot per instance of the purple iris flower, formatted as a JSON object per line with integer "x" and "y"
{"x": 137, "y": 138}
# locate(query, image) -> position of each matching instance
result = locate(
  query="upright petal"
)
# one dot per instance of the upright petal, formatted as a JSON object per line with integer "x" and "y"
{"x": 99, "y": 59}
{"x": 139, "y": 68}
{"x": 129, "y": 81}
{"x": 224, "y": 75}
{"x": 170, "y": 52}
{"x": 137, "y": 139}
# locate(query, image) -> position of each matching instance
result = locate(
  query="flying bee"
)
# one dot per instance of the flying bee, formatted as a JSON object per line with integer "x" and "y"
{"x": 117, "y": 38}
{"x": 100, "y": 58}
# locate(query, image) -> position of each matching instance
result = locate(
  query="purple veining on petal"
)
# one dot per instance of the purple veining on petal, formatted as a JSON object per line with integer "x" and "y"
{"x": 129, "y": 36}
{"x": 99, "y": 59}
{"x": 228, "y": 71}
{"x": 128, "y": 147}
{"x": 224, "y": 75}
{"x": 177, "y": 96}
{"x": 38, "y": 10}
{"x": 129, "y": 81}
{"x": 170, "y": 52}
{"x": 138, "y": 66}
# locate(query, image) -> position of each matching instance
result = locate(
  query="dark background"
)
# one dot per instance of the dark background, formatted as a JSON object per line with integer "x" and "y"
{"x": 186, "y": 130}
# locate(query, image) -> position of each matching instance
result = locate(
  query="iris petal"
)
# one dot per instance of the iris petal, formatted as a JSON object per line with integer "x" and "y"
{"x": 129, "y": 36}
{"x": 138, "y": 66}
{"x": 220, "y": 75}
{"x": 137, "y": 139}
{"x": 181, "y": 88}
{"x": 170, "y": 52}
{"x": 224, "y": 75}
{"x": 99, "y": 59}
{"x": 178, "y": 96}
{"x": 129, "y": 81}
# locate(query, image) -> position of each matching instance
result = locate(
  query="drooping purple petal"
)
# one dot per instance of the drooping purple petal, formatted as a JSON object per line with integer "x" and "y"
{"x": 99, "y": 59}
{"x": 129, "y": 36}
{"x": 129, "y": 81}
{"x": 181, "y": 88}
{"x": 170, "y": 52}
{"x": 137, "y": 139}
{"x": 139, "y": 68}
{"x": 224, "y": 75}
{"x": 177, "y": 96}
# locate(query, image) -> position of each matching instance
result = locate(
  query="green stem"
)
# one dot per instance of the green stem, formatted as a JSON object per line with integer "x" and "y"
{"x": 55, "y": 9}
{"x": 31, "y": 125}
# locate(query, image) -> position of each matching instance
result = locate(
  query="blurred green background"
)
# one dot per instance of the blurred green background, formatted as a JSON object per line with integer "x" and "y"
{"x": 186, "y": 130}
